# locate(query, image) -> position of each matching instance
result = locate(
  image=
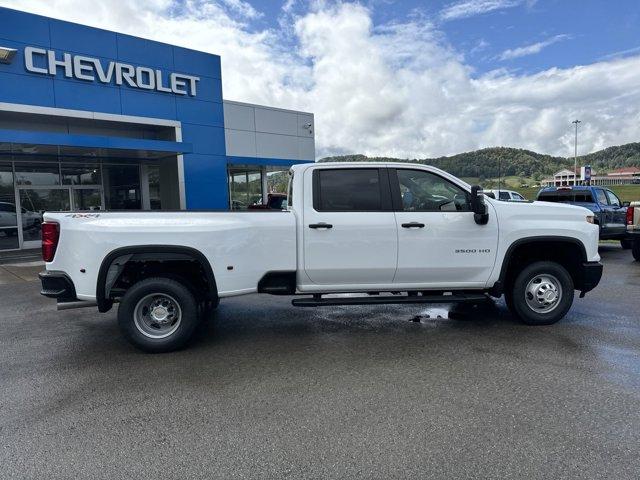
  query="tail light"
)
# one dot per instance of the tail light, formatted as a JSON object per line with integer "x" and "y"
{"x": 50, "y": 237}
{"x": 629, "y": 215}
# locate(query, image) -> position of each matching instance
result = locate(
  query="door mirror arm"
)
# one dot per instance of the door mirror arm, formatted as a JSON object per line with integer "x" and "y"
{"x": 478, "y": 206}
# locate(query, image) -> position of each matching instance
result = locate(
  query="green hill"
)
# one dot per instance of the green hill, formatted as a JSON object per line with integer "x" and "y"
{"x": 505, "y": 162}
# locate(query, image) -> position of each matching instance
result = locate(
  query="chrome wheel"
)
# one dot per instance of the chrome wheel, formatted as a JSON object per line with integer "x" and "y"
{"x": 157, "y": 315}
{"x": 543, "y": 293}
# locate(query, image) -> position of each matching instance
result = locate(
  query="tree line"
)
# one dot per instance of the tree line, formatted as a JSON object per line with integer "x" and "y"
{"x": 504, "y": 161}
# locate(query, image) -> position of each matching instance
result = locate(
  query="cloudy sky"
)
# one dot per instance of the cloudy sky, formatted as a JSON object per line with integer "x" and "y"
{"x": 411, "y": 78}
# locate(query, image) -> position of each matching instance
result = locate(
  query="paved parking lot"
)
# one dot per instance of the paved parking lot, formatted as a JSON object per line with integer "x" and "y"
{"x": 269, "y": 391}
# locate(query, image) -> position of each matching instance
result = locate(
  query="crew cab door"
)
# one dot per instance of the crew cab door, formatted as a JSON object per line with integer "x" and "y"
{"x": 439, "y": 243}
{"x": 349, "y": 228}
{"x": 618, "y": 213}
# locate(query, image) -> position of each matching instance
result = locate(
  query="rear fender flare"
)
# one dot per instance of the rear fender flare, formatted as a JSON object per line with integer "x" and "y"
{"x": 117, "y": 258}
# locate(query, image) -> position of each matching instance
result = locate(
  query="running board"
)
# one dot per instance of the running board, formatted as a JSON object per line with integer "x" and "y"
{"x": 74, "y": 304}
{"x": 318, "y": 301}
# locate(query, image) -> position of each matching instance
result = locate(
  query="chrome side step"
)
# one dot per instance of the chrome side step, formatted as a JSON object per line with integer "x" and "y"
{"x": 318, "y": 301}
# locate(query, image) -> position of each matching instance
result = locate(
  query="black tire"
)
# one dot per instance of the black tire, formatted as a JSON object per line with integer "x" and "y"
{"x": 156, "y": 290}
{"x": 519, "y": 305}
{"x": 635, "y": 251}
{"x": 626, "y": 244}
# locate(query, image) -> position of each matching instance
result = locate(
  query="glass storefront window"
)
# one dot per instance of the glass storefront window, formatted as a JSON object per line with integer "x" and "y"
{"x": 277, "y": 179}
{"x": 81, "y": 174}
{"x": 35, "y": 202}
{"x": 8, "y": 216}
{"x": 37, "y": 173}
{"x": 155, "y": 202}
{"x": 254, "y": 182}
{"x": 87, "y": 199}
{"x": 122, "y": 187}
{"x": 245, "y": 187}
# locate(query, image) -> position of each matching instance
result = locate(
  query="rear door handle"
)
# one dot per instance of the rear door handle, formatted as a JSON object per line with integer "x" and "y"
{"x": 320, "y": 225}
{"x": 413, "y": 225}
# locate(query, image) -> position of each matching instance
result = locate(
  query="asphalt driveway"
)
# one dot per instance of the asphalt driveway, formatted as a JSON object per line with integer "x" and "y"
{"x": 270, "y": 391}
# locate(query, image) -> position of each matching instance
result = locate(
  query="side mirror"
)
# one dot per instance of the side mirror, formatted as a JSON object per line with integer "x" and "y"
{"x": 479, "y": 208}
{"x": 626, "y": 204}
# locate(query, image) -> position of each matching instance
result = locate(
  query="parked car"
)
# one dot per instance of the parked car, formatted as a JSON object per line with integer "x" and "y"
{"x": 506, "y": 195}
{"x": 633, "y": 228}
{"x": 275, "y": 201}
{"x": 610, "y": 213}
{"x": 9, "y": 218}
{"x": 31, "y": 219}
{"x": 364, "y": 228}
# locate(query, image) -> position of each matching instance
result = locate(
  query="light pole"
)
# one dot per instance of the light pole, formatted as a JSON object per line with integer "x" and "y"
{"x": 575, "y": 155}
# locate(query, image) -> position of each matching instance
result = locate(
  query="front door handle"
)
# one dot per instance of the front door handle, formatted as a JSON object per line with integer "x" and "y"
{"x": 320, "y": 225}
{"x": 413, "y": 225}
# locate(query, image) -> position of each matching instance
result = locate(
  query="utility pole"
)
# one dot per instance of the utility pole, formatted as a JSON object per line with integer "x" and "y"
{"x": 575, "y": 154}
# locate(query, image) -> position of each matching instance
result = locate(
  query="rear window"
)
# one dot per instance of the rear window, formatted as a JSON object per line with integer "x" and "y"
{"x": 567, "y": 196}
{"x": 343, "y": 190}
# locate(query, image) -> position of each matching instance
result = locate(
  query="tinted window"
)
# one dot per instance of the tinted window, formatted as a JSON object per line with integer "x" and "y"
{"x": 578, "y": 197}
{"x": 345, "y": 189}
{"x": 37, "y": 174}
{"x": 613, "y": 200}
{"x": 503, "y": 196}
{"x": 278, "y": 203}
{"x": 584, "y": 197}
{"x": 426, "y": 192}
{"x": 81, "y": 174}
{"x": 517, "y": 196}
{"x": 122, "y": 187}
{"x": 7, "y": 207}
{"x": 602, "y": 198}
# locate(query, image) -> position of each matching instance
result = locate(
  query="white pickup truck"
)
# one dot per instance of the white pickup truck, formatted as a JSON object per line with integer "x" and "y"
{"x": 386, "y": 233}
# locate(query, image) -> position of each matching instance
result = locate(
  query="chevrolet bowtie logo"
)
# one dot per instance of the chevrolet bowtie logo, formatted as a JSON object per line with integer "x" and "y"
{"x": 7, "y": 54}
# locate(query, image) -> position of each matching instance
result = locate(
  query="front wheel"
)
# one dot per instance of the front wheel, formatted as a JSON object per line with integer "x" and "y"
{"x": 541, "y": 294}
{"x": 158, "y": 315}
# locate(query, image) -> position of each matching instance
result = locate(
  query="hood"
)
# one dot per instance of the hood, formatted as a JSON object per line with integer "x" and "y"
{"x": 552, "y": 209}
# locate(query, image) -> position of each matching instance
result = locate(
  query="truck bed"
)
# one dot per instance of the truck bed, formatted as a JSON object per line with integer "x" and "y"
{"x": 240, "y": 246}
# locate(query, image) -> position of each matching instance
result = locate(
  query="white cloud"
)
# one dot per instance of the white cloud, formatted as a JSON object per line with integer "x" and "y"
{"x": 480, "y": 46}
{"x": 243, "y": 8}
{"x": 533, "y": 48}
{"x": 621, "y": 53}
{"x": 396, "y": 89}
{"x": 470, "y": 8}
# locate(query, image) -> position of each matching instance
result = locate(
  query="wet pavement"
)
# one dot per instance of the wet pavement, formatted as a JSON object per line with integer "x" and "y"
{"x": 270, "y": 391}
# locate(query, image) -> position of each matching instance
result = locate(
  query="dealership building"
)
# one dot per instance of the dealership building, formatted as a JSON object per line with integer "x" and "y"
{"x": 92, "y": 119}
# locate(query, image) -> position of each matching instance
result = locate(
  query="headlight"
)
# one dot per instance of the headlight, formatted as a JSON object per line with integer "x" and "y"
{"x": 591, "y": 218}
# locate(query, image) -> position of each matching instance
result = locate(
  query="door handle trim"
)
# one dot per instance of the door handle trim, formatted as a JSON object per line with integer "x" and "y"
{"x": 413, "y": 225}
{"x": 320, "y": 225}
